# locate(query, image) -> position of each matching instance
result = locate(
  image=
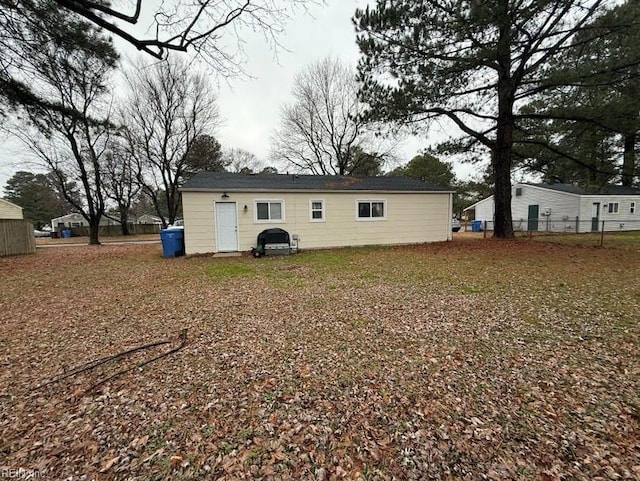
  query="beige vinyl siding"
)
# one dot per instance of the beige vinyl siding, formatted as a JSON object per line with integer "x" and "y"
{"x": 409, "y": 218}
{"x": 9, "y": 210}
{"x": 199, "y": 227}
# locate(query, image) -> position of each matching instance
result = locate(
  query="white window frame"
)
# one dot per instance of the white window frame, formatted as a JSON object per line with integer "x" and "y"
{"x": 268, "y": 201}
{"x": 611, "y": 209}
{"x": 371, "y": 201}
{"x": 322, "y": 210}
{"x": 632, "y": 208}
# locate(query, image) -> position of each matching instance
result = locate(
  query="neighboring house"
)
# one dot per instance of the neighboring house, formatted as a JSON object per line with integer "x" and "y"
{"x": 9, "y": 210}
{"x": 77, "y": 220}
{"x": 565, "y": 207}
{"x": 149, "y": 219}
{"x": 225, "y": 212}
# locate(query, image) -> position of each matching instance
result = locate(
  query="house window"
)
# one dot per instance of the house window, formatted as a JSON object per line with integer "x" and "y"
{"x": 518, "y": 191}
{"x": 371, "y": 210}
{"x": 613, "y": 207}
{"x": 316, "y": 208}
{"x": 632, "y": 208}
{"x": 269, "y": 210}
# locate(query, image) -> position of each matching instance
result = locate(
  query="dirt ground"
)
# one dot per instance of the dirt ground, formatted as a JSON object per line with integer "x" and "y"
{"x": 474, "y": 359}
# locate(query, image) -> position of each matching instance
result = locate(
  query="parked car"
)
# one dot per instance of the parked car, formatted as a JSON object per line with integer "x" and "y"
{"x": 455, "y": 225}
{"x": 178, "y": 224}
{"x": 41, "y": 233}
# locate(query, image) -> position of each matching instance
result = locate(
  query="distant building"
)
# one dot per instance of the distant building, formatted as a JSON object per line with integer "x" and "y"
{"x": 148, "y": 219}
{"x": 9, "y": 210}
{"x": 565, "y": 207}
{"x": 77, "y": 220}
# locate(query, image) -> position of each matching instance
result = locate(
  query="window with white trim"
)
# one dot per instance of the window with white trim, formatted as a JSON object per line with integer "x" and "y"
{"x": 269, "y": 210}
{"x": 613, "y": 207}
{"x": 632, "y": 208}
{"x": 371, "y": 210}
{"x": 316, "y": 210}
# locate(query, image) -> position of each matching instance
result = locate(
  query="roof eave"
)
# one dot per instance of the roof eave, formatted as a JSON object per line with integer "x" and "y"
{"x": 243, "y": 190}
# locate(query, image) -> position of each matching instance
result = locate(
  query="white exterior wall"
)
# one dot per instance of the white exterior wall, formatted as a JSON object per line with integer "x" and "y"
{"x": 484, "y": 210}
{"x": 563, "y": 209}
{"x": 409, "y": 218}
{"x": 77, "y": 220}
{"x": 69, "y": 220}
{"x": 622, "y": 220}
{"x": 9, "y": 210}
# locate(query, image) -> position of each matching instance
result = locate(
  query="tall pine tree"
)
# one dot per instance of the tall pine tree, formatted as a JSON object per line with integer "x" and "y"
{"x": 472, "y": 62}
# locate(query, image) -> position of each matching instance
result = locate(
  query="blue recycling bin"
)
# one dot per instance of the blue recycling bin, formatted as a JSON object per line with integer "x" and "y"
{"x": 476, "y": 225}
{"x": 66, "y": 233}
{"x": 172, "y": 242}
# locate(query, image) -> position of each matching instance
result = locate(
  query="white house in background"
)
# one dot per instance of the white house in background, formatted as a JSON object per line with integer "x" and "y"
{"x": 565, "y": 207}
{"x": 9, "y": 210}
{"x": 225, "y": 212}
{"x": 148, "y": 219}
{"x": 77, "y": 220}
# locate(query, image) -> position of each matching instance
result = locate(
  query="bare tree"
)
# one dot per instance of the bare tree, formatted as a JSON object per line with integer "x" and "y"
{"x": 121, "y": 186}
{"x": 214, "y": 30}
{"x": 168, "y": 107}
{"x": 240, "y": 161}
{"x": 321, "y": 131}
{"x": 207, "y": 27}
{"x": 70, "y": 130}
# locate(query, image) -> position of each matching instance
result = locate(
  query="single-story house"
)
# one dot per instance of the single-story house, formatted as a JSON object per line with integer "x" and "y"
{"x": 148, "y": 219}
{"x": 77, "y": 220}
{"x": 566, "y": 208}
{"x": 9, "y": 210}
{"x": 225, "y": 212}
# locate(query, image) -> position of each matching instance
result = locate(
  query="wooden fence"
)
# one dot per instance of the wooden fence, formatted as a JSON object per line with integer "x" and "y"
{"x": 116, "y": 230}
{"x": 16, "y": 237}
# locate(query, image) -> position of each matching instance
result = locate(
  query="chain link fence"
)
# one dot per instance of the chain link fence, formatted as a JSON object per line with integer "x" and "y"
{"x": 570, "y": 231}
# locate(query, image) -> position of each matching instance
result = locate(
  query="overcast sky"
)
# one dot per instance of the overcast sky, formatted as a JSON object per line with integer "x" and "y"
{"x": 251, "y": 108}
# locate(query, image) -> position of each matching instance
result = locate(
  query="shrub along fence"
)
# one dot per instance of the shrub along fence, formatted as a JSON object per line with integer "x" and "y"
{"x": 571, "y": 231}
{"x": 16, "y": 237}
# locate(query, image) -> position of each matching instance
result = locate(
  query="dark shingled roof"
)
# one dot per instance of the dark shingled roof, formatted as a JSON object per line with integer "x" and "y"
{"x": 283, "y": 182}
{"x": 607, "y": 189}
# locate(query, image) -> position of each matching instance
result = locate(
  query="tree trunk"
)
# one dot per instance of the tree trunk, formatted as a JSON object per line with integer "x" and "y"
{"x": 125, "y": 227}
{"x": 94, "y": 228}
{"x": 124, "y": 221}
{"x": 629, "y": 162}
{"x": 501, "y": 155}
{"x": 501, "y": 160}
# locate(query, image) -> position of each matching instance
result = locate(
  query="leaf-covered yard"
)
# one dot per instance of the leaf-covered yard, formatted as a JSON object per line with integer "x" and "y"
{"x": 466, "y": 360}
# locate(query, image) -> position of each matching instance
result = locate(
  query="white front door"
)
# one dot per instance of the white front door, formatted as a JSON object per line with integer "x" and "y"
{"x": 226, "y": 227}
